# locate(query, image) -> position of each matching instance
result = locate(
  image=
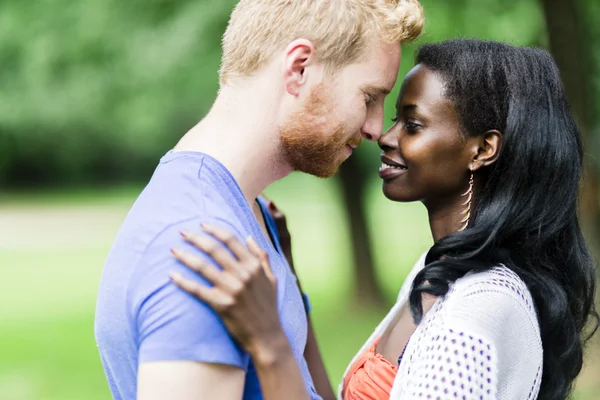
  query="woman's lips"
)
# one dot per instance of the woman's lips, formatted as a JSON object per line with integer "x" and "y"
{"x": 390, "y": 168}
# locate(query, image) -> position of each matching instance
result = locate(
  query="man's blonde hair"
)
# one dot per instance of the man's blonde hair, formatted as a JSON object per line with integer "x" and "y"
{"x": 341, "y": 30}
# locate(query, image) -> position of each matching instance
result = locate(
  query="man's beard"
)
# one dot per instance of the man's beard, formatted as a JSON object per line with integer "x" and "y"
{"x": 312, "y": 140}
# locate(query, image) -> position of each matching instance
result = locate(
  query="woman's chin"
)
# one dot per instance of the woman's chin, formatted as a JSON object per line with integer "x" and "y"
{"x": 392, "y": 193}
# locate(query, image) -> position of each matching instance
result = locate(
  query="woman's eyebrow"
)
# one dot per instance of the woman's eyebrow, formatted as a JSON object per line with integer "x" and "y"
{"x": 407, "y": 107}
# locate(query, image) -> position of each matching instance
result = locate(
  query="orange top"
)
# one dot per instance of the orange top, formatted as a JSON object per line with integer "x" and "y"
{"x": 370, "y": 378}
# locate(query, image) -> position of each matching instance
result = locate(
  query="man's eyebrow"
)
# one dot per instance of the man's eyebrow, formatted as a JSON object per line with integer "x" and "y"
{"x": 376, "y": 90}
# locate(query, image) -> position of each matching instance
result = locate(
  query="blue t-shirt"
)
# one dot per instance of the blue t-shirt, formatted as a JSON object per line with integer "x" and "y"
{"x": 142, "y": 316}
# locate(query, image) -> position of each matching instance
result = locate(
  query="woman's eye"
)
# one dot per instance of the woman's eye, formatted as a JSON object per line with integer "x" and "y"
{"x": 411, "y": 127}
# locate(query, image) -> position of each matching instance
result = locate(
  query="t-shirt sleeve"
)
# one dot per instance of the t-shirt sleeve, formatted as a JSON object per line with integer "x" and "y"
{"x": 172, "y": 324}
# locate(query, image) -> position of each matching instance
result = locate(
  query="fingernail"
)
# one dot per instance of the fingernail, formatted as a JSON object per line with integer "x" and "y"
{"x": 175, "y": 277}
{"x": 185, "y": 234}
{"x": 206, "y": 227}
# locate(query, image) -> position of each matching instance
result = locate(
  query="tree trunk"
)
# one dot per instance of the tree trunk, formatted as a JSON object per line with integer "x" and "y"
{"x": 570, "y": 45}
{"x": 367, "y": 291}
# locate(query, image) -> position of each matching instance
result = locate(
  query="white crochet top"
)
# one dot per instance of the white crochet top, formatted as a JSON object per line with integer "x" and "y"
{"x": 480, "y": 341}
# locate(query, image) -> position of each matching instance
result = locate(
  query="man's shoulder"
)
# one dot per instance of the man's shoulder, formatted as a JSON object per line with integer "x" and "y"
{"x": 174, "y": 200}
{"x": 178, "y": 193}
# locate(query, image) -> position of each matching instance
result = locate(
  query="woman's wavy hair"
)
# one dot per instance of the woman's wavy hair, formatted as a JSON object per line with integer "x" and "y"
{"x": 526, "y": 209}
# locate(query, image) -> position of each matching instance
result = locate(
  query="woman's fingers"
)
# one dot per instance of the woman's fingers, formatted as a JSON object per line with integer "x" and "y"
{"x": 244, "y": 292}
{"x": 212, "y": 274}
{"x": 275, "y": 213}
{"x": 225, "y": 280}
{"x": 214, "y": 297}
{"x": 202, "y": 292}
{"x": 213, "y": 249}
{"x": 239, "y": 269}
{"x": 229, "y": 239}
{"x": 263, "y": 258}
{"x": 250, "y": 261}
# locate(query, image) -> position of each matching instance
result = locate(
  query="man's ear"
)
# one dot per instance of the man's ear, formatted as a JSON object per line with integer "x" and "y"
{"x": 486, "y": 149}
{"x": 299, "y": 55}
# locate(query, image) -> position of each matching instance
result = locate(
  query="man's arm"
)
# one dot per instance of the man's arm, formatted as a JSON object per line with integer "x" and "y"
{"x": 184, "y": 350}
{"x": 188, "y": 380}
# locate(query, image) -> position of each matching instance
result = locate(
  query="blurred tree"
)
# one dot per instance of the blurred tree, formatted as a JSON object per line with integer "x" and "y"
{"x": 354, "y": 179}
{"x": 97, "y": 90}
{"x": 569, "y": 26}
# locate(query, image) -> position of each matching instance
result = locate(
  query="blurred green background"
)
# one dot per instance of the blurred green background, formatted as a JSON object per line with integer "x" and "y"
{"x": 93, "y": 92}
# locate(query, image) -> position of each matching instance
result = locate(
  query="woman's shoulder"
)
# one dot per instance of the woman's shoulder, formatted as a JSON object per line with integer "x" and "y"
{"x": 483, "y": 335}
{"x": 497, "y": 282}
{"x": 495, "y": 301}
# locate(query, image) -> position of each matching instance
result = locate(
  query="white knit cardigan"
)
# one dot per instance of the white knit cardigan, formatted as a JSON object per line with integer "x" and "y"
{"x": 480, "y": 341}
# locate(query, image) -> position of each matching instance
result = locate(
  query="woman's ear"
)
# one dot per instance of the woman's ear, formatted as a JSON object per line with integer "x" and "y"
{"x": 488, "y": 149}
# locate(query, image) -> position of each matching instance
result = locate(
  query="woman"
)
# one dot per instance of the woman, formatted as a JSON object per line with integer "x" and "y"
{"x": 497, "y": 308}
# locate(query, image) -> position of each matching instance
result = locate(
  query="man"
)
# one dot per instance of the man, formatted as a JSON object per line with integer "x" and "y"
{"x": 302, "y": 83}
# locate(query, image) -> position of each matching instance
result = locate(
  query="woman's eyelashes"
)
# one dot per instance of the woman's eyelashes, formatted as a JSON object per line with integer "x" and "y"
{"x": 412, "y": 127}
{"x": 407, "y": 124}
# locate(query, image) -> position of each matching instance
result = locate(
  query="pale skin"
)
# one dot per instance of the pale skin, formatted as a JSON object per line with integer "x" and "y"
{"x": 435, "y": 141}
{"x": 252, "y": 154}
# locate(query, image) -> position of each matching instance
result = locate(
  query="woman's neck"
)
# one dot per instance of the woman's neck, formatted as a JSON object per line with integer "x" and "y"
{"x": 449, "y": 217}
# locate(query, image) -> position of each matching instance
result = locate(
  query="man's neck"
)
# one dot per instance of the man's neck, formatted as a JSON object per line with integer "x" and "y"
{"x": 241, "y": 134}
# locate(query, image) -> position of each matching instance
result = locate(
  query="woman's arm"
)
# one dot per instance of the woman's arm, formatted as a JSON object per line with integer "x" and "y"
{"x": 245, "y": 296}
{"x": 316, "y": 366}
{"x": 312, "y": 354}
{"x": 278, "y": 371}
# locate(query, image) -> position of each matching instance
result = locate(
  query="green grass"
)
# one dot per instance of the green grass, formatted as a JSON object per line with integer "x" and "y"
{"x": 52, "y": 253}
{"x": 51, "y": 359}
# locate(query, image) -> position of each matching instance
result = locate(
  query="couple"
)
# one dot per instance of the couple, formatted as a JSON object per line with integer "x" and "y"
{"x": 483, "y": 137}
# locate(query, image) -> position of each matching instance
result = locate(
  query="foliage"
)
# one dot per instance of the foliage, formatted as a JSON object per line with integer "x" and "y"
{"x": 97, "y": 90}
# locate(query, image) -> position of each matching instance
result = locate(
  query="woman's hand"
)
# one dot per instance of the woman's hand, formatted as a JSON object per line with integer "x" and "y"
{"x": 245, "y": 296}
{"x": 285, "y": 240}
{"x": 244, "y": 292}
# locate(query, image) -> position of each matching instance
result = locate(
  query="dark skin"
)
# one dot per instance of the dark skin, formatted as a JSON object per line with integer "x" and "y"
{"x": 427, "y": 140}
{"x": 312, "y": 354}
{"x": 433, "y": 160}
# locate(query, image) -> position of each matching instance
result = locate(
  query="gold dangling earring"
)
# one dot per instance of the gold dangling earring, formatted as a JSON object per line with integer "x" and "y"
{"x": 467, "y": 211}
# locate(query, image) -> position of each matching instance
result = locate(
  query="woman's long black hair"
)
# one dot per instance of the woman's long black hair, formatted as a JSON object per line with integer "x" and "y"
{"x": 526, "y": 210}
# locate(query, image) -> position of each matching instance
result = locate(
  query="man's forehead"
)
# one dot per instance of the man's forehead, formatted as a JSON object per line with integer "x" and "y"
{"x": 383, "y": 67}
